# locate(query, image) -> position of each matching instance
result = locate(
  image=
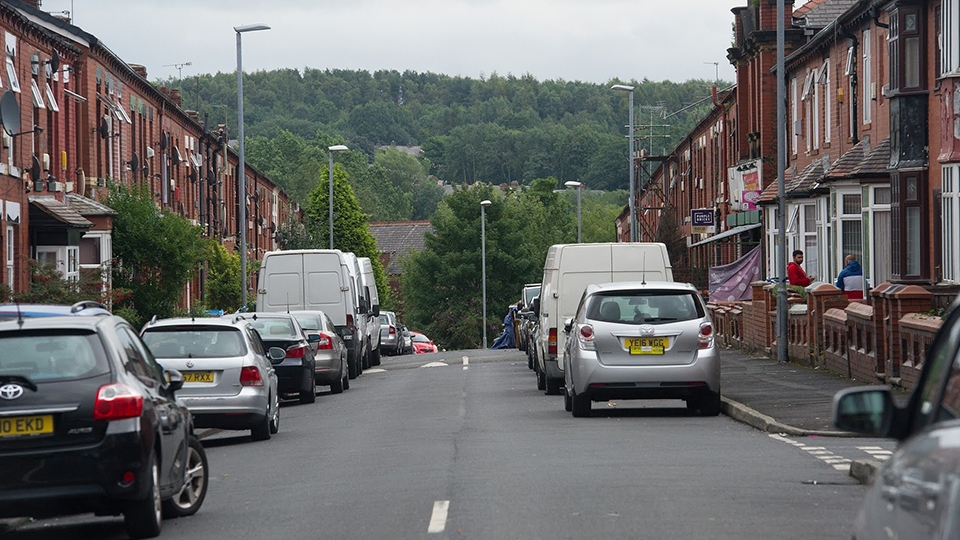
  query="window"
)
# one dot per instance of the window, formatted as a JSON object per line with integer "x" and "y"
{"x": 11, "y": 242}
{"x": 867, "y": 84}
{"x": 811, "y": 246}
{"x": 37, "y": 96}
{"x": 950, "y": 210}
{"x": 828, "y": 102}
{"x": 877, "y": 229}
{"x": 949, "y": 41}
{"x": 816, "y": 109}
{"x": 906, "y": 46}
{"x": 793, "y": 115}
{"x": 908, "y": 217}
{"x": 51, "y": 100}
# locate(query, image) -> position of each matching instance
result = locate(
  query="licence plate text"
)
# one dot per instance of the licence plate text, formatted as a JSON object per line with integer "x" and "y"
{"x": 26, "y": 425}
{"x": 646, "y": 345}
{"x": 198, "y": 377}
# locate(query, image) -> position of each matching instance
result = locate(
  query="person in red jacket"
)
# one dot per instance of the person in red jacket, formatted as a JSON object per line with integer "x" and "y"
{"x": 795, "y": 273}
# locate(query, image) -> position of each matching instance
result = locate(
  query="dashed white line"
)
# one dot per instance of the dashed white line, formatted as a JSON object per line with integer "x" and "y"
{"x": 438, "y": 519}
{"x": 839, "y": 463}
{"x": 876, "y": 452}
{"x": 466, "y": 363}
{"x": 435, "y": 364}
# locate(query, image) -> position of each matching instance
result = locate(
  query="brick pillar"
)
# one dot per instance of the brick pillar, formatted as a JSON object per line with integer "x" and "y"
{"x": 900, "y": 300}
{"x": 819, "y": 299}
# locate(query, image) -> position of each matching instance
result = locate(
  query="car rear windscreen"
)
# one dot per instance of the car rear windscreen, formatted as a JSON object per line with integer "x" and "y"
{"x": 195, "y": 342}
{"x": 644, "y": 307}
{"x": 52, "y": 355}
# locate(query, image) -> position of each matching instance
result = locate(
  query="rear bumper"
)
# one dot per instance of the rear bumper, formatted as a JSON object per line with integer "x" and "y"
{"x": 71, "y": 480}
{"x": 250, "y": 400}
{"x": 291, "y": 378}
{"x": 647, "y": 381}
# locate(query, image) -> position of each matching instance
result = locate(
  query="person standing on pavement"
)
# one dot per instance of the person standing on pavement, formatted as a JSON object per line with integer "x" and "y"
{"x": 795, "y": 273}
{"x": 850, "y": 280}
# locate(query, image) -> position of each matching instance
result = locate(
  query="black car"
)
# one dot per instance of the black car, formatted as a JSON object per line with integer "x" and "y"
{"x": 295, "y": 372}
{"x": 89, "y": 422}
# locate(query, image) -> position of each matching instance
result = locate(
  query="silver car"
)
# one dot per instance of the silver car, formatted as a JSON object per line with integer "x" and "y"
{"x": 329, "y": 351}
{"x": 389, "y": 333}
{"x": 229, "y": 383}
{"x": 641, "y": 340}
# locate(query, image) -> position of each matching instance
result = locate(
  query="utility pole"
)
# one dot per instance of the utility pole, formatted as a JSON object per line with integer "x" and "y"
{"x": 716, "y": 66}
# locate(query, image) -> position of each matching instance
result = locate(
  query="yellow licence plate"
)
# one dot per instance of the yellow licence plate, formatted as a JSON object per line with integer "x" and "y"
{"x": 26, "y": 425}
{"x": 646, "y": 345}
{"x": 198, "y": 376}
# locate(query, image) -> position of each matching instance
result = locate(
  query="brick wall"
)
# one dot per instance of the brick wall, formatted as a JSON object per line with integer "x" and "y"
{"x": 899, "y": 301}
{"x": 916, "y": 333}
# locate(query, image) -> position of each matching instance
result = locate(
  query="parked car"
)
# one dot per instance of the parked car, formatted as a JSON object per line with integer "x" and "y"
{"x": 641, "y": 340}
{"x": 524, "y": 318}
{"x": 389, "y": 337}
{"x": 296, "y": 371}
{"x": 916, "y": 492}
{"x": 330, "y": 354}
{"x": 421, "y": 343}
{"x": 229, "y": 382}
{"x": 86, "y": 307}
{"x": 90, "y": 422}
{"x": 404, "y": 340}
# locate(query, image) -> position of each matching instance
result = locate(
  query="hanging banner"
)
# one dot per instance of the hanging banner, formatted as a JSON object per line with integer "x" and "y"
{"x": 731, "y": 282}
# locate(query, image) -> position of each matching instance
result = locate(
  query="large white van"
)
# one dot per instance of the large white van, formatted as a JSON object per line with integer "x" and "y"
{"x": 315, "y": 279}
{"x": 369, "y": 284}
{"x": 360, "y": 298}
{"x": 567, "y": 271}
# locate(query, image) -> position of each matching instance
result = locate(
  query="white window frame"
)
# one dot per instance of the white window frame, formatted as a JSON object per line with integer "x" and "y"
{"x": 867, "y": 49}
{"x": 67, "y": 260}
{"x": 950, "y": 210}
{"x": 816, "y": 109}
{"x": 794, "y": 132}
{"x": 11, "y": 250}
{"x": 827, "y": 102}
{"x": 37, "y": 96}
{"x": 873, "y": 213}
{"x": 51, "y": 99}
{"x": 838, "y": 218}
{"x": 12, "y": 76}
{"x": 949, "y": 38}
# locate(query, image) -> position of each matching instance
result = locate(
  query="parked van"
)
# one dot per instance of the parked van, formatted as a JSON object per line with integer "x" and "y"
{"x": 369, "y": 284}
{"x": 567, "y": 271}
{"x": 316, "y": 279}
{"x": 360, "y": 298}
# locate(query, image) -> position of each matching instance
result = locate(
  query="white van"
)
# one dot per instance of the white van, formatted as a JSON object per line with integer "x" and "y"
{"x": 369, "y": 284}
{"x": 567, "y": 271}
{"x": 315, "y": 279}
{"x": 363, "y": 315}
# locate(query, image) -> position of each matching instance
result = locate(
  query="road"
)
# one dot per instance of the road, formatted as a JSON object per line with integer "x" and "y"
{"x": 469, "y": 448}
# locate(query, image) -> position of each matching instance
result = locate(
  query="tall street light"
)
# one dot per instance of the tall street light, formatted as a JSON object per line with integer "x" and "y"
{"x": 330, "y": 151}
{"x": 242, "y": 194}
{"x": 632, "y": 204}
{"x": 483, "y": 262}
{"x": 579, "y": 186}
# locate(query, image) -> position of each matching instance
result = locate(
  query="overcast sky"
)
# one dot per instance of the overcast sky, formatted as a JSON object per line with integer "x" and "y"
{"x": 574, "y": 40}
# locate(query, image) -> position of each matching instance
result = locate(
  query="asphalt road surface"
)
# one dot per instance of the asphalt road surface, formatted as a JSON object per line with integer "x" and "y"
{"x": 462, "y": 445}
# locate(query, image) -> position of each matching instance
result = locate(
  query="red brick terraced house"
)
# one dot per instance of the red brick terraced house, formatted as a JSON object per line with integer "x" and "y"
{"x": 89, "y": 120}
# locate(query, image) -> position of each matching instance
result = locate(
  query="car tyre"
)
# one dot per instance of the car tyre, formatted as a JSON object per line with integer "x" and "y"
{"x": 352, "y": 370}
{"x": 375, "y": 357}
{"x": 553, "y": 386}
{"x": 541, "y": 380}
{"x": 261, "y": 431}
{"x": 336, "y": 387}
{"x": 310, "y": 395}
{"x": 196, "y": 478}
{"x": 580, "y": 405}
{"x": 142, "y": 517}
{"x": 567, "y": 401}
{"x": 275, "y": 418}
{"x": 710, "y": 404}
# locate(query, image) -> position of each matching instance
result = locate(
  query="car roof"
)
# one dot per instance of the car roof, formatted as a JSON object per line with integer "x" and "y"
{"x": 52, "y": 310}
{"x": 53, "y": 322}
{"x": 640, "y": 285}
{"x": 189, "y": 321}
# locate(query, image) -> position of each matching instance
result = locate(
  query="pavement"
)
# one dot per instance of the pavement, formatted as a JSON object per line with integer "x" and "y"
{"x": 787, "y": 398}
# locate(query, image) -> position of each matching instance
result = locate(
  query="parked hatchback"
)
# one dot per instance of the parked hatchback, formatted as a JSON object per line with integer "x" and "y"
{"x": 89, "y": 422}
{"x": 641, "y": 340}
{"x": 295, "y": 371}
{"x": 330, "y": 361}
{"x": 915, "y": 493}
{"x": 421, "y": 343}
{"x": 229, "y": 383}
{"x": 389, "y": 335}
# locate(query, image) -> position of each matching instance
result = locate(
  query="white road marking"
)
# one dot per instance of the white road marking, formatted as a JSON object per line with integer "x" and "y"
{"x": 839, "y": 463}
{"x": 466, "y": 363}
{"x": 435, "y": 364}
{"x": 877, "y": 452}
{"x": 375, "y": 370}
{"x": 438, "y": 520}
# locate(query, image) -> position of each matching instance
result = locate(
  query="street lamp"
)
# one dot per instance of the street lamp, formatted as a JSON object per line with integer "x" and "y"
{"x": 242, "y": 195}
{"x": 632, "y": 203}
{"x": 331, "y": 150}
{"x": 483, "y": 262}
{"x": 579, "y": 186}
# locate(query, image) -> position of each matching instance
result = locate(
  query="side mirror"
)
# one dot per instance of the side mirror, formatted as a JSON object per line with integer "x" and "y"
{"x": 867, "y": 410}
{"x": 567, "y": 325}
{"x": 174, "y": 379}
{"x": 312, "y": 338}
{"x": 276, "y": 353}
{"x": 376, "y": 310}
{"x": 536, "y": 307}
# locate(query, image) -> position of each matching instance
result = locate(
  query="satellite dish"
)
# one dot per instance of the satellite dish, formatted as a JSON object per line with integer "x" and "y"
{"x": 134, "y": 162}
{"x": 10, "y": 113}
{"x": 104, "y": 128}
{"x": 55, "y": 61}
{"x": 192, "y": 175}
{"x": 35, "y": 169}
{"x": 163, "y": 141}
{"x": 273, "y": 227}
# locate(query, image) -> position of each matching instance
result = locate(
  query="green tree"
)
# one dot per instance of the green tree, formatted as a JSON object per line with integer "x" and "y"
{"x": 155, "y": 253}
{"x": 223, "y": 278}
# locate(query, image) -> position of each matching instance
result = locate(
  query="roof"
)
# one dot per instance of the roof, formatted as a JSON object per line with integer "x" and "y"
{"x": 808, "y": 179}
{"x": 820, "y": 13}
{"x": 88, "y": 207}
{"x": 850, "y": 160}
{"x": 877, "y": 162}
{"x": 397, "y": 238}
{"x": 61, "y": 212}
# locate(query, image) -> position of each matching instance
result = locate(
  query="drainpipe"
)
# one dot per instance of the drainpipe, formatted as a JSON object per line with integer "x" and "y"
{"x": 723, "y": 162}
{"x": 853, "y": 87}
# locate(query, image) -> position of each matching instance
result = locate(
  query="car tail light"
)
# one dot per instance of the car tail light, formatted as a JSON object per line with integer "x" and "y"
{"x": 250, "y": 376}
{"x": 393, "y": 330}
{"x": 296, "y": 352}
{"x": 350, "y": 321}
{"x": 552, "y": 342}
{"x": 117, "y": 401}
{"x": 326, "y": 342}
{"x": 587, "y": 337}
{"x": 706, "y": 335}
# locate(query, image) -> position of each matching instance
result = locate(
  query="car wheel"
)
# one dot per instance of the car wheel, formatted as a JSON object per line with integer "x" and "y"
{"x": 580, "y": 405}
{"x": 352, "y": 369}
{"x": 261, "y": 431}
{"x": 541, "y": 380}
{"x": 275, "y": 418}
{"x": 310, "y": 395}
{"x": 336, "y": 387}
{"x": 365, "y": 360}
{"x": 529, "y": 358}
{"x": 553, "y": 386}
{"x": 142, "y": 517}
{"x": 344, "y": 371}
{"x": 567, "y": 401}
{"x": 194, "y": 490}
{"x": 710, "y": 404}
{"x": 375, "y": 357}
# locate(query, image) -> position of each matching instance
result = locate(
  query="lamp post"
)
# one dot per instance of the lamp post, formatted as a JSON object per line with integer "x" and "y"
{"x": 330, "y": 151}
{"x": 483, "y": 262}
{"x": 242, "y": 192}
{"x": 632, "y": 203}
{"x": 579, "y": 186}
